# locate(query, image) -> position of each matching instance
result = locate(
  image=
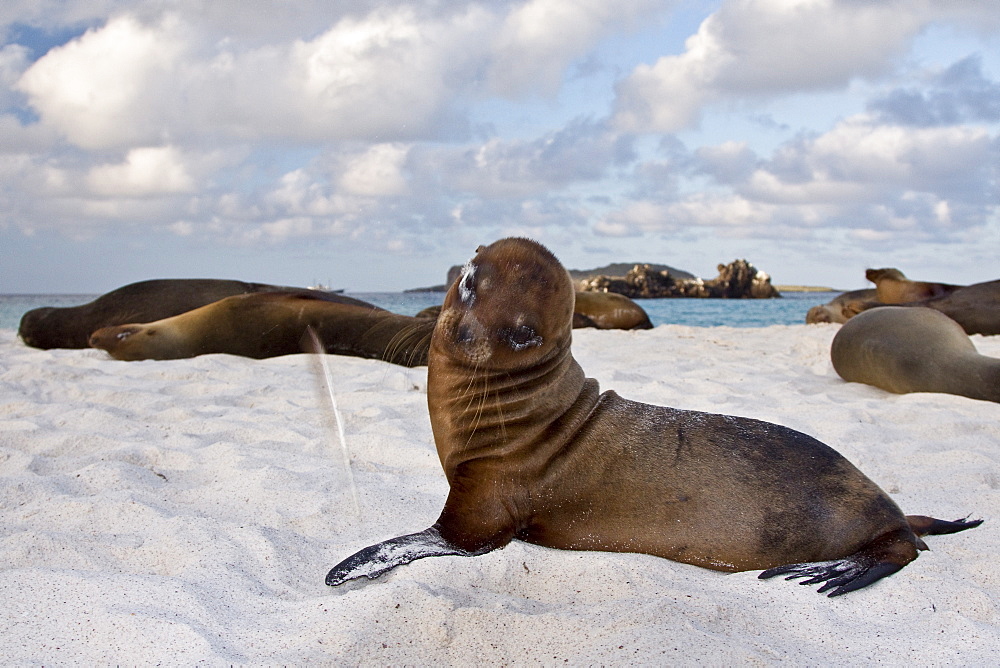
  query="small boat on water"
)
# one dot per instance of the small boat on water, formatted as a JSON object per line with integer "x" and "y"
{"x": 325, "y": 288}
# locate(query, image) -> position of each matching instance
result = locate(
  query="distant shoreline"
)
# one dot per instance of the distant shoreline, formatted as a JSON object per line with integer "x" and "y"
{"x": 805, "y": 288}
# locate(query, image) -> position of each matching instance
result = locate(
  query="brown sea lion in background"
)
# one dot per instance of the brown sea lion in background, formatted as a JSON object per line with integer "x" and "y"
{"x": 262, "y": 325}
{"x": 842, "y": 307}
{"x": 975, "y": 307}
{"x": 431, "y": 312}
{"x": 600, "y": 310}
{"x": 145, "y": 301}
{"x": 607, "y": 310}
{"x": 901, "y": 349}
{"x": 533, "y": 450}
{"x": 892, "y": 287}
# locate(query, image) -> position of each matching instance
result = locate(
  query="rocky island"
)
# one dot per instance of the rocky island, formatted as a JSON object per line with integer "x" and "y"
{"x": 737, "y": 280}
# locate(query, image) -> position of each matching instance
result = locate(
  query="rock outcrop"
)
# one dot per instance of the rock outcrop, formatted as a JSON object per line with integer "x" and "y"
{"x": 737, "y": 280}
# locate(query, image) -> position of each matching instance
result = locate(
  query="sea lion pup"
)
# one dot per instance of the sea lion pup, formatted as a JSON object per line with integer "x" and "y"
{"x": 533, "y": 450}
{"x": 145, "y": 301}
{"x": 903, "y": 349}
{"x": 608, "y": 310}
{"x": 892, "y": 287}
{"x": 270, "y": 324}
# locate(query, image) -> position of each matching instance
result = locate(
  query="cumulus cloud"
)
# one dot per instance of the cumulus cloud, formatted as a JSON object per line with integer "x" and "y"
{"x": 880, "y": 181}
{"x": 538, "y": 40}
{"x": 13, "y": 62}
{"x": 267, "y": 122}
{"x": 582, "y": 151}
{"x": 145, "y": 171}
{"x": 127, "y": 82}
{"x": 380, "y": 171}
{"x": 757, "y": 48}
{"x": 861, "y": 161}
{"x": 959, "y": 94}
{"x": 382, "y": 73}
{"x": 104, "y": 89}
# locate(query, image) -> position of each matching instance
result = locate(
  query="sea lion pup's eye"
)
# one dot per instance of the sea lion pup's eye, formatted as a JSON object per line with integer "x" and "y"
{"x": 520, "y": 337}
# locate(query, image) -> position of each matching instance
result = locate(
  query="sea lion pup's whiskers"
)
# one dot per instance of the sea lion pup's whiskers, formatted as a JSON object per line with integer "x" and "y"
{"x": 545, "y": 457}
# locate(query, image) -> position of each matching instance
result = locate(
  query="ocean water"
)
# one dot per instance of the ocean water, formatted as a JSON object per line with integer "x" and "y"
{"x": 789, "y": 310}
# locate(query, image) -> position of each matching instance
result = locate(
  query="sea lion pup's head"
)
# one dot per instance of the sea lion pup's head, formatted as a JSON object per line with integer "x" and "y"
{"x": 886, "y": 273}
{"x": 137, "y": 342}
{"x": 511, "y": 307}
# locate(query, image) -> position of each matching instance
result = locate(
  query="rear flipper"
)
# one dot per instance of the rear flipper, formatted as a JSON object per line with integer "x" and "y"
{"x": 847, "y": 574}
{"x": 380, "y": 558}
{"x": 882, "y": 557}
{"x": 929, "y": 526}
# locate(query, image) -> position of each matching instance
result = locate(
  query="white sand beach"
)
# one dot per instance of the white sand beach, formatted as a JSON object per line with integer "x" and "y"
{"x": 187, "y": 512}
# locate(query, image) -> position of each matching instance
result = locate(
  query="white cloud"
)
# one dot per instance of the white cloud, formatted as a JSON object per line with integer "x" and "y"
{"x": 145, "y": 171}
{"x": 13, "y": 62}
{"x": 541, "y": 38}
{"x": 581, "y": 152}
{"x": 857, "y": 161}
{"x": 754, "y": 48}
{"x": 103, "y": 89}
{"x": 388, "y": 74}
{"x": 394, "y": 72}
{"x": 378, "y": 172}
{"x": 877, "y": 181}
{"x": 268, "y": 122}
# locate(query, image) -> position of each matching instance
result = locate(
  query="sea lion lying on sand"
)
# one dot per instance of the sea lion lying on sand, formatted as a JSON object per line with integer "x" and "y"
{"x": 145, "y": 301}
{"x": 533, "y": 450}
{"x": 913, "y": 350}
{"x": 892, "y": 287}
{"x": 608, "y": 310}
{"x": 265, "y": 325}
{"x": 975, "y": 307}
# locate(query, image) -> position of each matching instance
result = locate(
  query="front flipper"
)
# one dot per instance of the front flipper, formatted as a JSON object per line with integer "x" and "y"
{"x": 377, "y": 559}
{"x": 842, "y": 575}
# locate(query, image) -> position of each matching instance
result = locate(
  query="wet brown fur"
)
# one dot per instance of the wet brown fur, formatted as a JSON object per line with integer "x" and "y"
{"x": 902, "y": 349}
{"x": 145, "y": 301}
{"x": 533, "y": 450}
{"x": 265, "y": 325}
{"x": 893, "y": 287}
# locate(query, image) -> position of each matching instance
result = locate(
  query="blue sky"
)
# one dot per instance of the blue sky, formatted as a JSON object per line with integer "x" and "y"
{"x": 371, "y": 145}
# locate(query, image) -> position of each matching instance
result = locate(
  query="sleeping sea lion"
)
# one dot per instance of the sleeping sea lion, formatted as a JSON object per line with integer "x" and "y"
{"x": 269, "y": 324}
{"x": 912, "y": 349}
{"x": 842, "y": 307}
{"x": 145, "y": 301}
{"x": 893, "y": 287}
{"x": 608, "y": 310}
{"x": 975, "y": 307}
{"x": 533, "y": 450}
